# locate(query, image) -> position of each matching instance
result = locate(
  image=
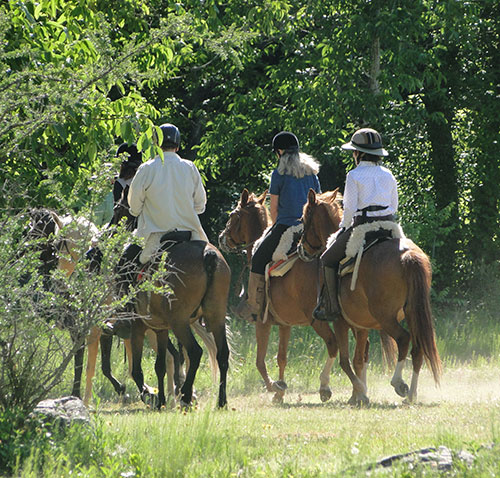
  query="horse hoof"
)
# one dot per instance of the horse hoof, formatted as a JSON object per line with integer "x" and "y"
{"x": 279, "y": 386}
{"x": 278, "y": 398}
{"x": 150, "y": 399}
{"x": 185, "y": 406}
{"x": 325, "y": 394}
{"x": 402, "y": 389}
{"x": 359, "y": 401}
{"x": 125, "y": 398}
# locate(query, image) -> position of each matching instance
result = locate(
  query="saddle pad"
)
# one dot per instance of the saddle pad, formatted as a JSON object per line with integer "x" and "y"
{"x": 347, "y": 263}
{"x": 281, "y": 267}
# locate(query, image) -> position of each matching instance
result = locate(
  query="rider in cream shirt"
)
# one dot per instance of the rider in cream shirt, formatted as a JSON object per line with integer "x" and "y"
{"x": 167, "y": 194}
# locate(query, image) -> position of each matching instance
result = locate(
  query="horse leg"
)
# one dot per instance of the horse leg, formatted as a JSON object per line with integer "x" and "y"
{"x": 160, "y": 365}
{"x": 78, "y": 369}
{"x": 284, "y": 338}
{"x": 137, "y": 344}
{"x": 92, "y": 349}
{"x": 262, "y": 332}
{"x": 325, "y": 332}
{"x": 359, "y": 396}
{"x": 417, "y": 356}
{"x": 360, "y": 361}
{"x": 173, "y": 370}
{"x": 106, "y": 342}
{"x": 219, "y": 333}
{"x": 194, "y": 351}
{"x": 402, "y": 338}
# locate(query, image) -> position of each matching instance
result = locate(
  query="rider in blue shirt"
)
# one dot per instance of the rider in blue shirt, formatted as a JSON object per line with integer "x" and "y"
{"x": 290, "y": 183}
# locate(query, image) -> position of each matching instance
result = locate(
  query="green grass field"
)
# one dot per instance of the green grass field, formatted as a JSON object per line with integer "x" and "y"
{"x": 301, "y": 437}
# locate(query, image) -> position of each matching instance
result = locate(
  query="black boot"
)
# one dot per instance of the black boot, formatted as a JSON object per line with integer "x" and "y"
{"x": 328, "y": 308}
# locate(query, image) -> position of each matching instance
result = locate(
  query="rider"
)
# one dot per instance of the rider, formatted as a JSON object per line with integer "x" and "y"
{"x": 167, "y": 194}
{"x": 290, "y": 183}
{"x": 370, "y": 195}
{"x": 131, "y": 162}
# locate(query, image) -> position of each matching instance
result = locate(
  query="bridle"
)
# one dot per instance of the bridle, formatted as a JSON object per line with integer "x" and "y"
{"x": 235, "y": 246}
{"x": 314, "y": 251}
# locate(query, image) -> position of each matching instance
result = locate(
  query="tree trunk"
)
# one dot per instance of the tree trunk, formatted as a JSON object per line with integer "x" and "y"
{"x": 439, "y": 123}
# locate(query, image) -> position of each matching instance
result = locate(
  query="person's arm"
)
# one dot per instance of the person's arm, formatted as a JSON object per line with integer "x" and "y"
{"x": 350, "y": 201}
{"x": 394, "y": 199}
{"x": 274, "y": 207}
{"x": 137, "y": 193}
{"x": 199, "y": 194}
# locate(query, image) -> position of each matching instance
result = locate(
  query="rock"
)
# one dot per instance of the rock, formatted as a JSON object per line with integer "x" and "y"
{"x": 65, "y": 411}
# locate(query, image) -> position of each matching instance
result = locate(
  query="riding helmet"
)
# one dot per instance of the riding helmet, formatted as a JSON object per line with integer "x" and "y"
{"x": 285, "y": 140}
{"x": 366, "y": 140}
{"x": 171, "y": 135}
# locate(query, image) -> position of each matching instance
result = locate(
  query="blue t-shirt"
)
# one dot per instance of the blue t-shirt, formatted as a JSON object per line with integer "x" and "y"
{"x": 292, "y": 194}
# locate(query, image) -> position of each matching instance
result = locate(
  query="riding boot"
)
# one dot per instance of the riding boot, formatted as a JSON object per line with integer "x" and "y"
{"x": 250, "y": 309}
{"x": 328, "y": 307}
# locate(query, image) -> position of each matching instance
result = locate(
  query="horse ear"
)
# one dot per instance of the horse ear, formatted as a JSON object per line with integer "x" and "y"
{"x": 262, "y": 197}
{"x": 57, "y": 219}
{"x": 333, "y": 196}
{"x": 311, "y": 197}
{"x": 244, "y": 197}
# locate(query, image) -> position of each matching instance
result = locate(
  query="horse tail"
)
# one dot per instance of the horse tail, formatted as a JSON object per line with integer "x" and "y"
{"x": 209, "y": 341}
{"x": 417, "y": 272}
{"x": 210, "y": 263}
{"x": 389, "y": 350}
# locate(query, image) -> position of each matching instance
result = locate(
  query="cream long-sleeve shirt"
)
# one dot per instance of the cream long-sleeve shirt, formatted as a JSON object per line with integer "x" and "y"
{"x": 369, "y": 184}
{"x": 168, "y": 195}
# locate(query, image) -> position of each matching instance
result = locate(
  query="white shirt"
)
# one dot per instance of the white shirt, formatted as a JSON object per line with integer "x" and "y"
{"x": 369, "y": 184}
{"x": 168, "y": 195}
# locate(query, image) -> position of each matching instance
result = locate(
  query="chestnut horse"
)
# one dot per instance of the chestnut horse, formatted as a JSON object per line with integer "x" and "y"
{"x": 199, "y": 278}
{"x": 393, "y": 283}
{"x": 293, "y": 295}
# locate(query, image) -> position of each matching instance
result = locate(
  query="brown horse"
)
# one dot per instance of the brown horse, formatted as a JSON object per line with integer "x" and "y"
{"x": 293, "y": 295}
{"x": 393, "y": 283}
{"x": 199, "y": 278}
{"x": 63, "y": 237}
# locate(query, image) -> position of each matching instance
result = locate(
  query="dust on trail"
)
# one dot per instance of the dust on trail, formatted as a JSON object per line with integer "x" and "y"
{"x": 459, "y": 385}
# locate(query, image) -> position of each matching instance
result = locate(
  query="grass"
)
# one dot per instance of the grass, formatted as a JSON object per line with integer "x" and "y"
{"x": 302, "y": 437}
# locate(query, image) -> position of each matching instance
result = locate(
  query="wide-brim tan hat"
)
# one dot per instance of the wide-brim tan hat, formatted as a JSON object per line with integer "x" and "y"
{"x": 366, "y": 140}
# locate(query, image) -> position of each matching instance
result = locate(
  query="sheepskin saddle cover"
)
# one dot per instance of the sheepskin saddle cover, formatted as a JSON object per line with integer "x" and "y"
{"x": 366, "y": 236}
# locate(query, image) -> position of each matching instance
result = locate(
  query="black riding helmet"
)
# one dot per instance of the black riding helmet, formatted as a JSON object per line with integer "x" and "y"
{"x": 287, "y": 141}
{"x": 171, "y": 136}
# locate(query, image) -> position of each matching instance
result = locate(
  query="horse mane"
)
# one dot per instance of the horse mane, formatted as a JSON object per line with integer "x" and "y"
{"x": 332, "y": 200}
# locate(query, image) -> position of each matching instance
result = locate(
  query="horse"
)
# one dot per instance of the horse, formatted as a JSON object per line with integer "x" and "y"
{"x": 293, "y": 295}
{"x": 199, "y": 279}
{"x": 60, "y": 250}
{"x": 393, "y": 283}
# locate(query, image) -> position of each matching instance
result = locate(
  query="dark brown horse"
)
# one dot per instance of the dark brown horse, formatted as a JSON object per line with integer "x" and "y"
{"x": 293, "y": 295}
{"x": 199, "y": 278}
{"x": 393, "y": 283}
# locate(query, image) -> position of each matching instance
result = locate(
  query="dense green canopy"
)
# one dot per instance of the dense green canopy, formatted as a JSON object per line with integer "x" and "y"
{"x": 79, "y": 77}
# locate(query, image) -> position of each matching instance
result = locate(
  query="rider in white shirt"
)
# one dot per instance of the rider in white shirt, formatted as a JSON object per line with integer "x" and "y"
{"x": 370, "y": 195}
{"x": 167, "y": 194}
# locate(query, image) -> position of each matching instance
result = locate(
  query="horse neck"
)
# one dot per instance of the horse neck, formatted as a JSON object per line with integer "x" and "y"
{"x": 260, "y": 222}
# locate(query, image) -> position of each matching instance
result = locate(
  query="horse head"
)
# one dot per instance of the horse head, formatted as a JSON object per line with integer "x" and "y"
{"x": 246, "y": 223}
{"x": 321, "y": 217}
{"x": 122, "y": 210}
{"x": 41, "y": 232}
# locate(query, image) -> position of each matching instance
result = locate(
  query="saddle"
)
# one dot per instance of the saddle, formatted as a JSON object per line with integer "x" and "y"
{"x": 364, "y": 237}
{"x": 167, "y": 241}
